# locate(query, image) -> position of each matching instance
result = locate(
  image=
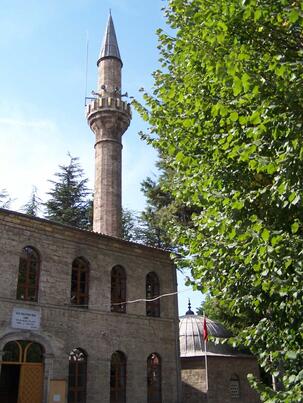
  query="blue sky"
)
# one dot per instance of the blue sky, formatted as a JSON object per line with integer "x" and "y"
{"x": 42, "y": 81}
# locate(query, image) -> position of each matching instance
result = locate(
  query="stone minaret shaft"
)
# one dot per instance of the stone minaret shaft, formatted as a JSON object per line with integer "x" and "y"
{"x": 108, "y": 117}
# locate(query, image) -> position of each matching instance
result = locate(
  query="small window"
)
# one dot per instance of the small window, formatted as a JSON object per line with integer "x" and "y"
{"x": 118, "y": 289}
{"x": 33, "y": 353}
{"x": 234, "y": 387}
{"x": 152, "y": 294}
{"x": 77, "y": 376}
{"x": 154, "y": 393}
{"x": 118, "y": 378}
{"x": 12, "y": 352}
{"x": 79, "y": 285}
{"x": 23, "y": 351}
{"x": 28, "y": 277}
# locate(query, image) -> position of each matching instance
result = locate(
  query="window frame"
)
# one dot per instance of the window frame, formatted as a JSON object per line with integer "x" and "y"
{"x": 74, "y": 367}
{"x": 154, "y": 379}
{"x": 234, "y": 387}
{"x": 80, "y": 265}
{"x": 118, "y": 377}
{"x": 152, "y": 290}
{"x": 29, "y": 255}
{"x": 118, "y": 289}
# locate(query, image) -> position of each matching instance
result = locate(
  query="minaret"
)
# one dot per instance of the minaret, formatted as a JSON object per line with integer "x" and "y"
{"x": 108, "y": 117}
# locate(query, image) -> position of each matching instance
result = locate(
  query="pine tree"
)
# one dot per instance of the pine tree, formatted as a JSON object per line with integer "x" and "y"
{"x": 33, "y": 206}
{"x": 5, "y": 199}
{"x": 68, "y": 202}
{"x": 129, "y": 225}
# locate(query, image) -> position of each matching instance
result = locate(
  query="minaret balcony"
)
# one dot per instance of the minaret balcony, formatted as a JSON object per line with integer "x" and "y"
{"x": 108, "y": 104}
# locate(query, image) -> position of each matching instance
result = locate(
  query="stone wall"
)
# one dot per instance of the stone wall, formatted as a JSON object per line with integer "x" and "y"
{"x": 96, "y": 330}
{"x": 220, "y": 369}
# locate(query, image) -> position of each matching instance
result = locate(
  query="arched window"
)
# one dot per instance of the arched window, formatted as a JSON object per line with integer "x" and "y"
{"x": 22, "y": 351}
{"x": 28, "y": 277}
{"x": 33, "y": 352}
{"x": 77, "y": 376}
{"x": 234, "y": 387}
{"x": 79, "y": 286}
{"x": 12, "y": 352}
{"x": 154, "y": 394}
{"x": 118, "y": 378}
{"x": 118, "y": 289}
{"x": 152, "y": 291}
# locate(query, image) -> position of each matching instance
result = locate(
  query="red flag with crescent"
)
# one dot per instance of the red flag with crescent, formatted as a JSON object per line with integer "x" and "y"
{"x": 205, "y": 332}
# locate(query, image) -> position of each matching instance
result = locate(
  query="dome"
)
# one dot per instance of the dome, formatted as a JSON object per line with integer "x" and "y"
{"x": 191, "y": 336}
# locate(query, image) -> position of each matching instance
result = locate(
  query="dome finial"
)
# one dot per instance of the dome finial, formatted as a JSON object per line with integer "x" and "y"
{"x": 189, "y": 312}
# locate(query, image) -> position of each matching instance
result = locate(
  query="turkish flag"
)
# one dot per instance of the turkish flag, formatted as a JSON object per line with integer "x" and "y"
{"x": 205, "y": 332}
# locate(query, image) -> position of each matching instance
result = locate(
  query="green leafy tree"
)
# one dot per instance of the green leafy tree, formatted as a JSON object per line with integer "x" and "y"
{"x": 33, "y": 206}
{"x": 5, "y": 200}
{"x": 69, "y": 202}
{"x": 226, "y": 115}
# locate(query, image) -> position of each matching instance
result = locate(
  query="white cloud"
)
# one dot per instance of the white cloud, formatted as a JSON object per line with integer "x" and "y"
{"x": 32, "y": 146}
{"x": 29, "y": 152}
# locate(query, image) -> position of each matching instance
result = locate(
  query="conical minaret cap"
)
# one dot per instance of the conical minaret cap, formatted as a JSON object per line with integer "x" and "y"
{"x": 110, "y": 48}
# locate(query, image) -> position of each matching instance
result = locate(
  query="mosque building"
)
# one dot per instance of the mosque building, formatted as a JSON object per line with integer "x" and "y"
{"x": 71, "y": 327}
{"x": 213, "y": 373}
{"x": 68, "y": 332}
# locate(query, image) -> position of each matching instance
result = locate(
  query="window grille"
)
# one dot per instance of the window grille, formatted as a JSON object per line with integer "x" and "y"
{"x": 234, "y": 387}
{"x": 118, "y": 378}
{"x": 154, "y": 392}
{"x": 28, "y": 277}
{"x": 152, "y": 292}
{"x": 79, "y": 282}
{"x": 77, "y": 375}
{"x": 118, "y": 289}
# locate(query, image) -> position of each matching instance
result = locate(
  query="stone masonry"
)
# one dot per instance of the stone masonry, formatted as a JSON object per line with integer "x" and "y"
{"x": 95, "y": 329}
{"x": 92, "y": 327}
{"x": 220, "y": 370}
{"x": 108, "y": 117}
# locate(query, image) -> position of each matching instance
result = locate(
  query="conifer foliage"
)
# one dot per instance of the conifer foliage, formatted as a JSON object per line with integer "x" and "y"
{"x": 69, "y": 202}
{"x": 226, "y": 116}
{"x": 5, "y": 200}
{"x": 33, "y": 206}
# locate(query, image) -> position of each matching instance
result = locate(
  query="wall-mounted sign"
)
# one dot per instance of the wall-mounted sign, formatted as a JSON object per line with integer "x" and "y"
{"x": 26, "y": 319}
{"x": 57, "y": 391}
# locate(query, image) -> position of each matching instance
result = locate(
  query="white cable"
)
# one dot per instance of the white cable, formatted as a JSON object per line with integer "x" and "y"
{"x": 149, "y": 300}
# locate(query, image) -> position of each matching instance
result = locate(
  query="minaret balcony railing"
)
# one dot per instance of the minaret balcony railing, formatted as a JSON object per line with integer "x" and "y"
{"x": 108, "y": 103}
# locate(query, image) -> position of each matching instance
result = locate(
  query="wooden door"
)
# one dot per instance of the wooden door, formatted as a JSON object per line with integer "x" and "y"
{"x": 31, "y": 383}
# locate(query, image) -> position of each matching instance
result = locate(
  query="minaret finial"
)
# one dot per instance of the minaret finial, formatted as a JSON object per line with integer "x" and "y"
{"x": 189, "y": 312}
{"x": 110, "y": 48}
{"x": 110, "y": 11}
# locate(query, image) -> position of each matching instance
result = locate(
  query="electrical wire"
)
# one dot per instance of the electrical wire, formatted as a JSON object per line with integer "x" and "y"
{"x": 149, "y": 299}
{"x": 94, "y": 306}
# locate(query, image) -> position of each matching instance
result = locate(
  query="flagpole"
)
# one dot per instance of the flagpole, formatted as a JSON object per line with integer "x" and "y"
{"x": 206, "y": 368}
{"x": 205, "y": 337}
